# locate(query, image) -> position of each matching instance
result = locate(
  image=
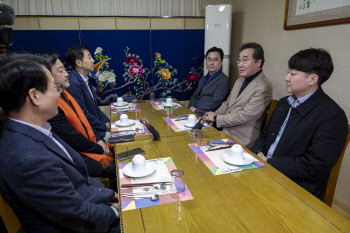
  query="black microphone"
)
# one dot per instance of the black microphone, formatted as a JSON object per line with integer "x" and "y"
{"x": 200, "y": 123}
{"x": 154, "y": 132}
{"x": 7, "y": 17}
{"x": 7, "y": 14}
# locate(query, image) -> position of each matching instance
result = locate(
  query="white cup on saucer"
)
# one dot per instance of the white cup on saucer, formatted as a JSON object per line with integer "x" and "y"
{"x": 124, "y": 120}
{"x": 169, "y": 101}
{"x": 138, "y": 164}
{"x": 191, "y": 120}
{"x": 120, "y": 101}
{"x": 236, "y": 153}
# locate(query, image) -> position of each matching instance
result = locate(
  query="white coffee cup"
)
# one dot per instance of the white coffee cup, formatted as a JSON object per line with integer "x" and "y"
{"x": 124, "y": 119}
{"x": 169, "y": 101}
{"x": 138, "y": 164}
{"x": 191, "y": 120}
{"x": 120, "y": 101}
{"x": 236, "y": 153}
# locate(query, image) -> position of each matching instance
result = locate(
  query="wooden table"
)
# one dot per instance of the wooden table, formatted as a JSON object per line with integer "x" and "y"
{"x": 257, "y": 200}
{"x": 155, "y": 118}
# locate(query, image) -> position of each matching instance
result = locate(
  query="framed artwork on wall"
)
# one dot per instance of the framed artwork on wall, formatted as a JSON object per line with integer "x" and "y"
{"x": 315, "y": 13}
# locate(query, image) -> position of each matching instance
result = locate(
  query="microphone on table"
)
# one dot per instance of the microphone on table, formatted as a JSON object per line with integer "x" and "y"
{"x": 150, "y": 128}
{"x": 200, "y": 123}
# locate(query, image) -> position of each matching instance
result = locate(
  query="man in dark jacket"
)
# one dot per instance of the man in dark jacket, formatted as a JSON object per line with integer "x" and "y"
{"x": 43, "y": 179}
{"x": 213, "y": 88}
{"x": 82, "y": 64}
{"x": 307, "y": 131}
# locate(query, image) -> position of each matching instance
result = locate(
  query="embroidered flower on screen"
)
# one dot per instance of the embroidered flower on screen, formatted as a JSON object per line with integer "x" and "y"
{"x": 192, "y": 77}
{"x": 107, "y": 76}
{"x": 158, "y": 55}
{"x": 98, "y": 50}
{"x": 165, "y": 73}
{"x": 132, "y": 60}
{"x": 136, "y": 70}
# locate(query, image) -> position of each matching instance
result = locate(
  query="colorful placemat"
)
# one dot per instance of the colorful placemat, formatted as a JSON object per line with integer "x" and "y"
{"x": 178, "y": 125}
{"x": 117, "y": 131}
{"x": 213, "y": 160}
{"x": 158, "y": 106}
{"x": 123, "y": 109}
{"x": 130, "y": 203}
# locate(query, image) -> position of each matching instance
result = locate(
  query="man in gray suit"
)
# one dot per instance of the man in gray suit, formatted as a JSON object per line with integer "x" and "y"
{"x": 213, "y": 88}
{"x": 242, "y": 114}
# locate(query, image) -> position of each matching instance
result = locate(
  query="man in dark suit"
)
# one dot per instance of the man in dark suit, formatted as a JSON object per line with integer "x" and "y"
{"x": 213, "y": 88}
{"x": 44, "y": 180}
{"x": 82, "y": 63}
{"x": 74, "y": 129}
{"x": 307, "y": 132}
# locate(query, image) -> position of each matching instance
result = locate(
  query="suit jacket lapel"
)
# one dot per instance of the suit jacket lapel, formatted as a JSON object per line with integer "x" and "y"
{"x": 80, "y": 79}
{"x": 211, "y": 82}
{"x": 38, "y": 136}
{"x": 235, "y": 90}
{"x": 251, "y": 86}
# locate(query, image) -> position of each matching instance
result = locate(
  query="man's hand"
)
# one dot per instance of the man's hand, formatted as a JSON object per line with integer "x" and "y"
{"x": 108, "y": 127}
{"x": 193, "y": 109}
{"x": 262, "y": 156}
{"x": 114, "y": 199}
{"x": 210, "y": 116}
{"x": 104, "y": 146}
{"x": 116, "y": 205}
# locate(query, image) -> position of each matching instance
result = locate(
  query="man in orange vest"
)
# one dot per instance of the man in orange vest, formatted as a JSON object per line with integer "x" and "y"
{"x": 71, "y": 125}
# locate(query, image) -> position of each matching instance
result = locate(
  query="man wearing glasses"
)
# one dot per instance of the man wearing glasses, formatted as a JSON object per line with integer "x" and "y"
{"x": 213, "y": 88}
{"x": 72, "y": 126}
{"x": 242, "y": 114}
{"x": 43, "y": 179}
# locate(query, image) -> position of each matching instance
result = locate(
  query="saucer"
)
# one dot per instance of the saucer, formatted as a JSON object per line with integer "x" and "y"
{"x": 120, "y": 105}
{"x": 246, "y": 159}
{"x": 130, "y": 122}
{"x": 190, "y": 126}
{"x": 150, "y": 168}
{"x": 168, "y": 105}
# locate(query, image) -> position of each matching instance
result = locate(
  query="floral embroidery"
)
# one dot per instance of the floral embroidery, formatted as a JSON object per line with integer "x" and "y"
{"x": 136, "y": 70}
{"x": 165, "y": 73}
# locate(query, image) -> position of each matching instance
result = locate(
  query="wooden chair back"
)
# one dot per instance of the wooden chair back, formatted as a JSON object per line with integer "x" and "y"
{"x": 270, "y": 111}
{"x": 333, "y": 178}
{"x": 9, "y": 218}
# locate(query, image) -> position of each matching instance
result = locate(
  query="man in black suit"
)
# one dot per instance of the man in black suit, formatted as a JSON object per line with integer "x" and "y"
{"x": 307, "y": 132}
{"x": 213, "y": 88}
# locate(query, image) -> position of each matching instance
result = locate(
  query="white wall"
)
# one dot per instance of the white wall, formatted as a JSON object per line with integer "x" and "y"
{"x": 262, "y": 22}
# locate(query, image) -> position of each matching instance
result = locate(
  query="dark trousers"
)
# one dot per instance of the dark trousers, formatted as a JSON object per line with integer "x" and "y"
{"x": 96, "y": 170}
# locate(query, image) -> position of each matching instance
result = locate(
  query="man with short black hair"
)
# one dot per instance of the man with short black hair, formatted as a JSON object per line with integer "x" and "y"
{"x": 213, "y": 88}
{"x": 242, "y": 114}
{"x": 44, "y": 180}
{"x": 307, "y": 132}
{"x": 82, "y": 63}
{"x": 72, "y": 126}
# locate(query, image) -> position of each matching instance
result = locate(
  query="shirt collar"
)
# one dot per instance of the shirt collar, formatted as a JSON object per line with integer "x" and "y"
{"x": 296, "y": 102}
{"x": 86, "y": 79}
{"x": 46, "y": 130}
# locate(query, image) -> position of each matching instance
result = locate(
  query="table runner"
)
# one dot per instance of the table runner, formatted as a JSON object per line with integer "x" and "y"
{"x": 178, "y": 126}
{"x": 213, "y": 160}
{"x": 129, "y": 203}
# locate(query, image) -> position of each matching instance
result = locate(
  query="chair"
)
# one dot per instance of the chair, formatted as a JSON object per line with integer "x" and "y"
{"x": 332, "y": 181}
{"x": 103, "y": 180}
{"x": 9, "y": 217}
{"x": 270, "y": 111}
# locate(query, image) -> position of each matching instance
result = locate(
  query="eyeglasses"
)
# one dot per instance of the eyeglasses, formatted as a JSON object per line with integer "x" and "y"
{"x": 244, "y": 61}
{"x": 58, "y": 87}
